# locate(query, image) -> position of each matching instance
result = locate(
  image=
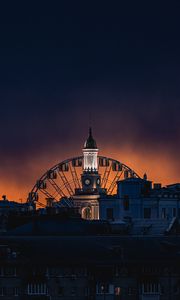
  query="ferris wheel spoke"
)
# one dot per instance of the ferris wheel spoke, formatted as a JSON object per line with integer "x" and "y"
{"x": 106, "y": 175}
{"x": 74, "y": 176}
{"x": 65, "y": 182}
{"x": 46, "y": 193}
{"x": 62, "y": 187}
{"x": 56, "y": 187}
{"x": 103, "y": 178}
{"x": 113, "y": 183}
{"x": 41, "y": 204}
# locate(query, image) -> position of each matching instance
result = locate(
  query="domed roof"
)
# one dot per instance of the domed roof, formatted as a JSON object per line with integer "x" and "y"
{"x": 90, "y": 143}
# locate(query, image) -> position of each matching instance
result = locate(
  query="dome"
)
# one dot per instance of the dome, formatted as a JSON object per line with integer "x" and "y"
{"x": 90, "y": 143}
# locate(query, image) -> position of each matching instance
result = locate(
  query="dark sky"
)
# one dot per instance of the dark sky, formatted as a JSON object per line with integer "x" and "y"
{"x": 62, "y": 61}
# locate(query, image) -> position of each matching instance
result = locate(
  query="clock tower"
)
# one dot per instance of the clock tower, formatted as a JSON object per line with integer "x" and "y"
{"x": 90, "y": 177}
{"x": 87, "y": 197}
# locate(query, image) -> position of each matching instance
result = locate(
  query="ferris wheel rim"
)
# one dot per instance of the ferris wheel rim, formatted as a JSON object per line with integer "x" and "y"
{"x": 55, "y": 167}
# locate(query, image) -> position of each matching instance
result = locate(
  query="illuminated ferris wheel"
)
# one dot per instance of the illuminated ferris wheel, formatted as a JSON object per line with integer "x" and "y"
{"x": 80, "y": 178}
{"x": 61, "y": 181}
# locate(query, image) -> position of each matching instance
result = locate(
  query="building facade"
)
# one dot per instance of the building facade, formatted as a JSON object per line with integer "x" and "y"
{"x": 136, "y": 198}
{"x": 92, "y": 268}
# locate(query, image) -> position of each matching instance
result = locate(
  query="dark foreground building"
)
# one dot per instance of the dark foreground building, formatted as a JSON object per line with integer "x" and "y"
{"x": 93, "y": 267}
{"x": 126, "y": 246}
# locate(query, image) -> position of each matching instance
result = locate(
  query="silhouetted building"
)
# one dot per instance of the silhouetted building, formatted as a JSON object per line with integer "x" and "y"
{"x": 94, "y": 244}
{"x": 90, "y": 267}
{"x": 11, "y": 208}
{"x": 150, "y": 210}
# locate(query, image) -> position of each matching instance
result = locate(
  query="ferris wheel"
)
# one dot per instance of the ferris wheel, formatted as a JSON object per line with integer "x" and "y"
{"x": 60, "y": 181}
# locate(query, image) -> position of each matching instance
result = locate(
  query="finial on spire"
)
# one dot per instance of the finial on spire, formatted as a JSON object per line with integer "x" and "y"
{"x": 90, "y": 131}
{"x": 90, "y": 119}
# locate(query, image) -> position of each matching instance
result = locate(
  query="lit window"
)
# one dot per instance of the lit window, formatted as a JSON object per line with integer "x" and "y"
{"x": 117, "y": 291}
{"x": 104, "y": 288}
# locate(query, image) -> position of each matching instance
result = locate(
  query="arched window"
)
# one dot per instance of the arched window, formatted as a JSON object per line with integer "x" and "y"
{"x": 86, "y": 213}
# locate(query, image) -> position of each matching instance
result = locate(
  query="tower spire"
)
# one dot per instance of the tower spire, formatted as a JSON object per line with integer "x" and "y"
{"x": 90, "y": 152}
{"x": 90, "y": 120}
{"x": 90, "y": 143}
{"x": 90, "y": 131}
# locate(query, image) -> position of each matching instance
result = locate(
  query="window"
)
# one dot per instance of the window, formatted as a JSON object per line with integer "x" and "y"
{"x": 73, "y": 291}
{"x": 104, "y": 288}
{"x": 147, "y": 213}
{"x": 117, "y": 291}
{"x": 174, "y": 212}
{"x": 60, "y": 291}
{"x": 132, "y": 291}
{"x": 109, "y": 214}
{"x": 163, "y": 213}
{"x": 16, "y": 291}
{"x": 9, "y": 291}
{"x": 150, "y": 270}
{"x": 86, "y": 291}
{"x": 150, "y": 288}
{"x": 37, "y": 289}
{"x": 176, "y": 289}
{"x": 162, "y": 289}
{"x": 2, "y": 291}
{"x": 9, "y": 271}
{"x": 86, "y": 213}
{"x": 126, "y": 202}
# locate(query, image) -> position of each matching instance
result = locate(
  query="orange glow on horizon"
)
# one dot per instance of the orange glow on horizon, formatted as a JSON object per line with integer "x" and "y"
{"x": 159, "y": 168}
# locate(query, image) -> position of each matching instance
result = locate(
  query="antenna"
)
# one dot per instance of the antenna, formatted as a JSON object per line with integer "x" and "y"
{"x": 90, "y": 119}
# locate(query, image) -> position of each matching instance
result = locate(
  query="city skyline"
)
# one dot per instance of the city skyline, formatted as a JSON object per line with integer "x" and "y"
{"x": 59, "y": 64}
{"x": 139, "y": 163}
